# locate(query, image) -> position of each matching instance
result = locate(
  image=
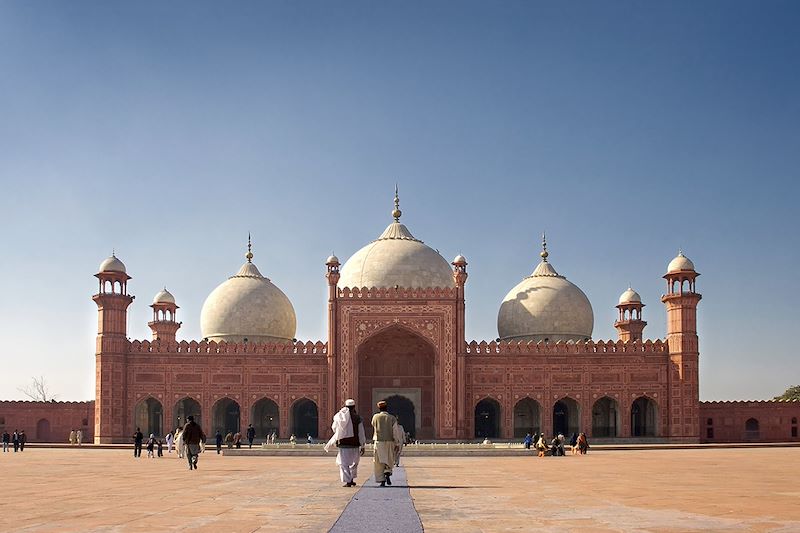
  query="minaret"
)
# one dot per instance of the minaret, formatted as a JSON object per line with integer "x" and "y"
{"x": 460, "y": 277}
{"x": 164, "y": 325}
{"x": 681, "y": 301}
{"x": 332, "y": 275}
{"x": 630, "y": 324}
{"x": 112, "y": 302}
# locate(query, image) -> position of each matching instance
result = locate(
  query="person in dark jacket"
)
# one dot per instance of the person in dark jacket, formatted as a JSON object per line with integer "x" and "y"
{"x": 6, "y": 440}
{"x": 251, "y": 434}
{"x": 138, "y": 438}
{"x": 22, "y": 440}
{"x": 192, "y": 436}
{"x": 218, "y": 440}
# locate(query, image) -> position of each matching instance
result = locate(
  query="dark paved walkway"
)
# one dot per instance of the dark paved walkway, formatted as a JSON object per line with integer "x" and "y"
{"x": 380, "y": 509}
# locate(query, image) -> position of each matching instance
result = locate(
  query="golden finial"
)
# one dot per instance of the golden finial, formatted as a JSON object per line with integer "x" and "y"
{"x": 249, "y": 254}
{"x": 396, "y": 211}
{"x": 544, "y": 253}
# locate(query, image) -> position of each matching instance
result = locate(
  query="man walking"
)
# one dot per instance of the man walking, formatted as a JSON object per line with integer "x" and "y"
{"x": 251, "y": 434}
{"x": 15, "y": 440}
{"x": 138, "y": 438}
{"x": 349, "y": 437}
{"x": 218, "y": 441}
{"x": 6, "y": 440}
{"x": 79, "y": 437}
{"x": 386, "y": 437}
{"x": 192, "y": 437}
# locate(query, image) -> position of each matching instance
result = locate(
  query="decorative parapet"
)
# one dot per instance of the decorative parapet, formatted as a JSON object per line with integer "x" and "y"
{"x": 393, "y": 293}
{"x": 222, "y": 347}
{"x": 32, "y": 403}
{"x": 749, "y": 402}
{"x": 566, "y": 348}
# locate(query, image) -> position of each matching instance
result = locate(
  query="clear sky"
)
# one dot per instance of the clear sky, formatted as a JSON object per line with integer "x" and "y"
{"x": 626, "y": 130}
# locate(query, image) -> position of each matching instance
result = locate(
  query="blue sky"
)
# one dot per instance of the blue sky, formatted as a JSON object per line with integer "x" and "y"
{"x": 626, "y": 130}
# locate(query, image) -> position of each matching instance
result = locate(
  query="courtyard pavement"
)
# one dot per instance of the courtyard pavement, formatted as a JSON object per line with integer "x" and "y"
{"x": 660, "y": 490}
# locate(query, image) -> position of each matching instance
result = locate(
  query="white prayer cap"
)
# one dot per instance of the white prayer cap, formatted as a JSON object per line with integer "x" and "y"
{"x": 350, "y": 403}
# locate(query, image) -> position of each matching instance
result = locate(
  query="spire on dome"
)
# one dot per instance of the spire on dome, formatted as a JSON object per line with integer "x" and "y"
{"x": 396, "y": 211}
{"x": 249, "y": 254}
{"x": 544, "y": 253}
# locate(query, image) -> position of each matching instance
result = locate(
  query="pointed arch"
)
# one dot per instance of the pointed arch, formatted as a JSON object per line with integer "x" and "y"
{"x": 265, "y": 417}
{"x": 644, "y": 417}
{"x": 487, "y": 418}
{"x": 606, "y": 420}
{"x": 149, "y": 416}
{"x": 185, "y": 407}
{"x": 226, "y": 416}
{"x": 305, "y": 418}
{"x": 527, "y": 417}
{"x": 566, "y": 416}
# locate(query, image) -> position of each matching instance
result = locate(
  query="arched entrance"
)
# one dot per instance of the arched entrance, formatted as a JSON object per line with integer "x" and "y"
{"x": 398, "y": 362}
{"x": 226, "y": 416}
{"x": 43, "y": 430}
{"x": 487, "y": 419}
{"x": 526, "y": 417}
{"x": 305, "y": 419}
{"x": 644, "y": 417}
{"x": 566, "y": 417}
{"x": 184, "y": 408}
{"x": 265, "y": 417}
{"x": 751, "y": 429}
{"x": 149, "y": 417}
{"x": 605, "y": 418}
{"x": 403, "y": 409}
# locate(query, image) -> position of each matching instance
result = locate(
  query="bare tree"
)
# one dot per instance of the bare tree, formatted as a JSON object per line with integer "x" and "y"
{"x": 38, "y": 391}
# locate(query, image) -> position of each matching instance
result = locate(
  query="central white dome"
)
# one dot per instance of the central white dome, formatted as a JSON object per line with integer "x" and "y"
{"x": 248, "y": 306}
{"x": 396, "y": 258}
{"x": 545, "y": 307}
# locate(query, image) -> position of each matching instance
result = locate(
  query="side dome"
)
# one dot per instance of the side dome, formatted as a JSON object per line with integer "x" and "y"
{"x": 248, "y": 306}
{"x": 112, "y": 264}
{"x": 396, "y": 258}
{"x": 680, "y": 263}
{"x": 630, "y": 296}
{"x": 545, "y": 307}
{"x": 164, "y": 297}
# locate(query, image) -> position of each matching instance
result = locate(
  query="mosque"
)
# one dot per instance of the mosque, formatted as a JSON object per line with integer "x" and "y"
{"x": 396, "y": 314}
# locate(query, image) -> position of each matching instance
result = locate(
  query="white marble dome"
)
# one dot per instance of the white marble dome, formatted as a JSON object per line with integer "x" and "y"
{"x": 545, "y": 307}
{"x": 248, "y": 306}
{"x": 630, "y": 296}
{"x": 112, "y": 264}
{"x": 164, "y": 297}
{"x": 396, "y": 258}
{"x": 680, "y": 263}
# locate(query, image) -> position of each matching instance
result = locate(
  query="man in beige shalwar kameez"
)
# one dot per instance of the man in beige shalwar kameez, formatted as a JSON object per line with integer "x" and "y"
{"x": 386, "y": 438}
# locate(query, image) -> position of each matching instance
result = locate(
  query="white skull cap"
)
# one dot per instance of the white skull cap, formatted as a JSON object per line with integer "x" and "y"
{"x": 350, "y": 403}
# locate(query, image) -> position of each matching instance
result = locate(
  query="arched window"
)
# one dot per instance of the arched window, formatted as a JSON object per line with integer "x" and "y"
{"x": 305, "y": 419}
{"x": 794, "y": 427}
{"x": 751, "y": 429}
{"x": 644, "y": 418}
{"x": 226, "y": 416}
{"x": 149, "y": 417}
{"x": 265, "y": 418}
{"x": 566, "y": 417}
{"x": 527, "y": 418}
{"x": 605, "y": 418}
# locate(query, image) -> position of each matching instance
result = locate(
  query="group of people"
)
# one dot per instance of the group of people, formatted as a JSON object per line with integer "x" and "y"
{"x": 349, "y": 437}
{"x": 188, "y": 441}
{"x": 578, "y": 444}
{"x": 75, "y": 437}
{"x": 17, "y": 439}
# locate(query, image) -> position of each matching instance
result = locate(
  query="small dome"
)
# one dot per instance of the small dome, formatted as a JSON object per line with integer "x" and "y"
{"x": 248, "y": 306}
{"x": 545, "y": 307}
{"x": 164, "y": 297}
{"x": 331, "y": 259}
{"x": 630, "y": 296}
{"x": 680, "y": 263}
{"x": 112, "y": 264}
{"x": 460, "y": 260}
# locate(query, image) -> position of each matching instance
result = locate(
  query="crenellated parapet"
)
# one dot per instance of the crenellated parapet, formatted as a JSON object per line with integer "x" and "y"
{"x": 222, "y": 348}
{"x": 393, "y": 293}
{"x": 748, "y": 403}
{"x": 565, "y": 348}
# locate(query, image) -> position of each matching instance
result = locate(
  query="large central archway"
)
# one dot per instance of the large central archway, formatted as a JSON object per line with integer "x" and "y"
{"x": 397, "y": 362}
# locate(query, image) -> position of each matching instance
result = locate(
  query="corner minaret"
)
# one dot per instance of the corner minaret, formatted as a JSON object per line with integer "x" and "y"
{"x": 164, "y": 325}
{"x": 630, "y": 325}
{"x": 112, "y": 302}
{"x": 681, "y": 302}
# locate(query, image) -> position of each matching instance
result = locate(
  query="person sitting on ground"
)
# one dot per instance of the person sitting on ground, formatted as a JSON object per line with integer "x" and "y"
{"x": 229, "y": 439}
{"x": 555, "y": 446}
{"x": 293, "y": 440}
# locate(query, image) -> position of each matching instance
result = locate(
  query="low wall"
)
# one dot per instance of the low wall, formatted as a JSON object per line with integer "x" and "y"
{"x": 749, "y": 421}
{"x": 48, "y": 421}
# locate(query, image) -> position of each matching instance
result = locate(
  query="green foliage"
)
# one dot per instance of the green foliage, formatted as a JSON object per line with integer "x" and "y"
{"x": 792, "y": 393}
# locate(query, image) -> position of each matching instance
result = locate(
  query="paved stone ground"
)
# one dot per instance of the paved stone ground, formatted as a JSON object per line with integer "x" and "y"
{"x": 675, "y": 490}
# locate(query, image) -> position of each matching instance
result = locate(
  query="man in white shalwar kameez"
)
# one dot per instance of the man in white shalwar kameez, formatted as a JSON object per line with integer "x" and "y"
{"x": 387, "y": 439}
{"x": 349, "y": 437}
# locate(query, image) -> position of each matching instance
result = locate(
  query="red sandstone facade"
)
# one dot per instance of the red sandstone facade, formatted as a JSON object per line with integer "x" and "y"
{"x": 406, "y": 345}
